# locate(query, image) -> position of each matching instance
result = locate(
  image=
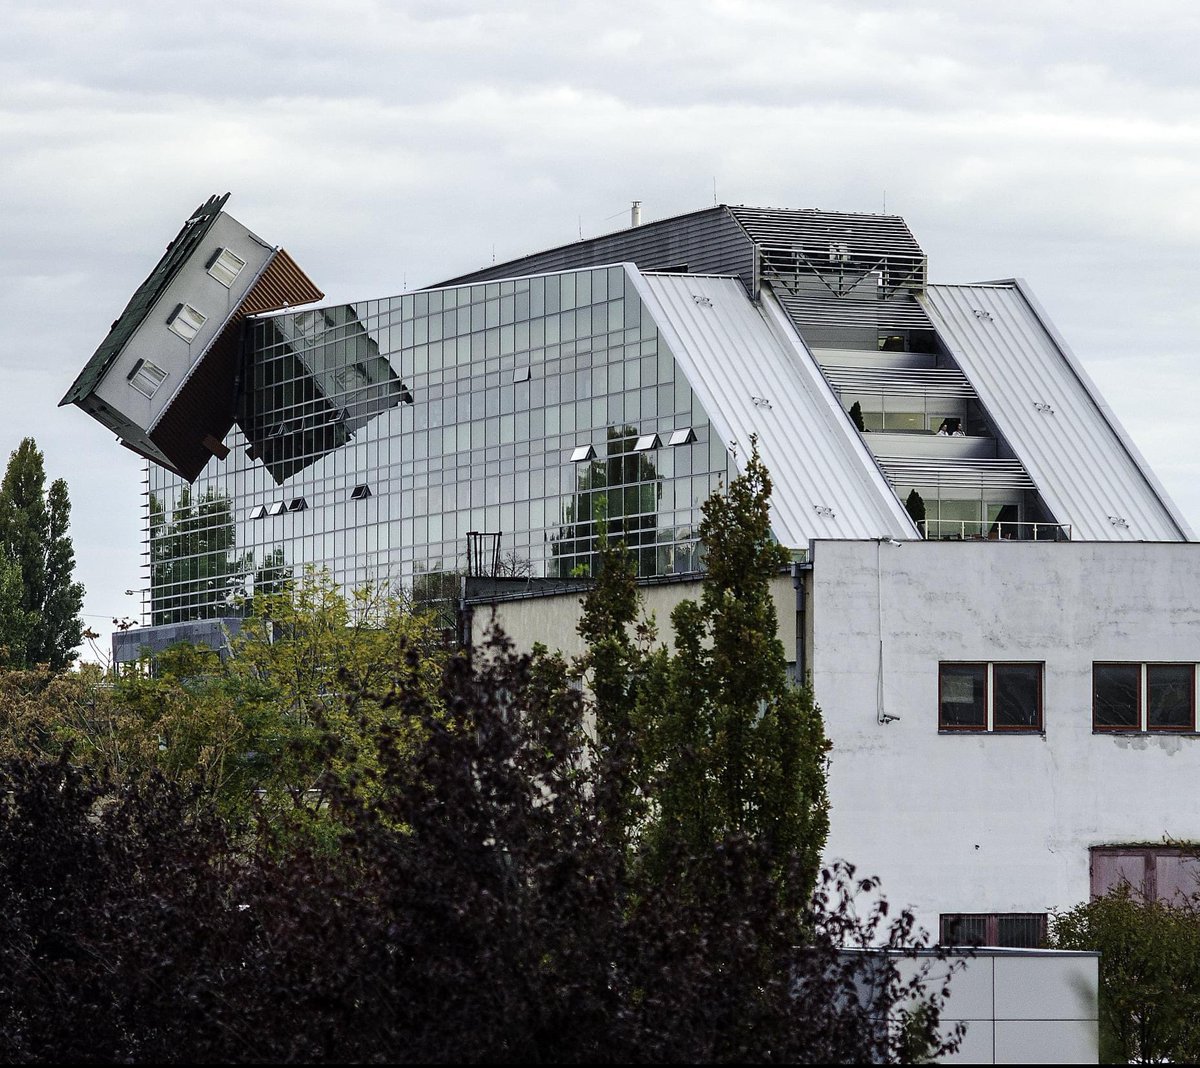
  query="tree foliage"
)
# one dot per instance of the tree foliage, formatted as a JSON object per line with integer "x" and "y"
{"x": 476, "y": 910}
{"x": 1149, "y": 974}
{"x": 39, "y": 599}
{"x": 715, "y": 738}
{"x": 248, "y": 733}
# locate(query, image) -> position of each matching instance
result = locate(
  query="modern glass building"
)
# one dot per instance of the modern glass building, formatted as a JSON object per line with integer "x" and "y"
{"x": 375, "y": 437}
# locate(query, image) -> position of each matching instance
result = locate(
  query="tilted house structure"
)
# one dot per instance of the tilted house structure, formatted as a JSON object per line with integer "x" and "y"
{"x": 994, "y": 598}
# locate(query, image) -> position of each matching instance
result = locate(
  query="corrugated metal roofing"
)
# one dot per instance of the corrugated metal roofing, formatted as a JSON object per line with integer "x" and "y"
{"x": 753, "y": 375}
{"x": 884, "y": 234}
{"x": 1085, "y": 467}
{"x": 707, "y": 241}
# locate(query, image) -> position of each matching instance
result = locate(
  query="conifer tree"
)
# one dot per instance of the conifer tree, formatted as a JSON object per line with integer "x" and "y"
{"x": 40, "y": 615}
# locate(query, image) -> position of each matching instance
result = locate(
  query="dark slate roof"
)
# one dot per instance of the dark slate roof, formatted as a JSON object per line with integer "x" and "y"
{"x": 143, "y": 300}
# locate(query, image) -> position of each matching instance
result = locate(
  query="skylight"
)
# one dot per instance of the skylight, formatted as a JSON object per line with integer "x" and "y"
{"x": 225, "y": 266}
{"x": 186, "y": 321}
{"x": 146, "y": 377}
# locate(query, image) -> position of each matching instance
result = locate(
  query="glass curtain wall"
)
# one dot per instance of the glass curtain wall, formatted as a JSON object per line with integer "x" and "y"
{"x": 373, "y": 437}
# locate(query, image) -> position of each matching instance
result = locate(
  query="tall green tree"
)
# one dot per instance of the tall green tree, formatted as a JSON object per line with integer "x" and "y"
{"x": 739, "y": 748}
{"x": 41, "y": 624}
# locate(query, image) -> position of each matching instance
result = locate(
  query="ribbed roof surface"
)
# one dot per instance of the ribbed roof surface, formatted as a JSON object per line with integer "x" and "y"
{"x": 753, "y": 375}
{"x": 1087, "y": 470}
{"x": 880, "y": 234}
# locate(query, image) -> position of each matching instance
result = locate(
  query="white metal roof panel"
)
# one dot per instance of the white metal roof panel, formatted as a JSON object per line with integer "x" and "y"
{"x": 753, "y": 375}
{"x": 1087, "y": 470}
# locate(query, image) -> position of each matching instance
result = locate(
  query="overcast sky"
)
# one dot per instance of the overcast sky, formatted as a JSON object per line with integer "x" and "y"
{"x": 389, "y": 145}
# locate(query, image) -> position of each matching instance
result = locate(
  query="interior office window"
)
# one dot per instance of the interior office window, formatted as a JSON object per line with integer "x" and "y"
{"x": 1012, "y": 930}
{"x": 992, "y": 696}
{"x": 1143, "y": 697}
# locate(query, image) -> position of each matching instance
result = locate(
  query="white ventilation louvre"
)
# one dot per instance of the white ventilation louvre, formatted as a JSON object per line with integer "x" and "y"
{"x": 146, "y": 377}
{"x": 225, "y": 266}
{"x": 186, "y": 321}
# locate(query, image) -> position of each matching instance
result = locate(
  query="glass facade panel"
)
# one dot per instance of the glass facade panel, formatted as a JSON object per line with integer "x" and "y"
{"x": 415, "y": 398}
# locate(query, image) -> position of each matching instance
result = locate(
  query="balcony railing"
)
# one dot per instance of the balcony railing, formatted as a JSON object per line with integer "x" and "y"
{"x": 977, "y": 530}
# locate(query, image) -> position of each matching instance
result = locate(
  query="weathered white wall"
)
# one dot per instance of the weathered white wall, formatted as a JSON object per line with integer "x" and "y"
{"x": 996, "y": 823}
{"x": 552, "y": 620}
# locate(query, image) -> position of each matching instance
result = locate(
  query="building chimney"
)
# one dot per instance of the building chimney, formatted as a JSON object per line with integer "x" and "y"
{"x": 635, "y": 214}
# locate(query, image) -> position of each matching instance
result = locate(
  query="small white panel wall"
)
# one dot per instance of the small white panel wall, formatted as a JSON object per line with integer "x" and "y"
{"x": 983, "y": 823}
{"x": 1020, "y": 1006}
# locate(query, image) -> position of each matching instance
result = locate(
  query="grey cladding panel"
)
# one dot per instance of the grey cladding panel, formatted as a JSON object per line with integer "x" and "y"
{"x": 704, "y": 242}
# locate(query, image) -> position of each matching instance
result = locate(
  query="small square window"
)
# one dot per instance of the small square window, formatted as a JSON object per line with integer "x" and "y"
{"x": 225, "y": 266}
{"x": 186, "y": 321}
{"x": 146, "y": 377}
{"x": 1012, "y": 930}
{"x": 521, "y": 374}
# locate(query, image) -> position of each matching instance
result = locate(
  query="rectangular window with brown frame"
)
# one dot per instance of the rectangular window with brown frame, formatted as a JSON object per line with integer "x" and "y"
{"x": 1140, "y": 697}
{"x": 1011, "y": 930}
{"x": 990, "y": 697}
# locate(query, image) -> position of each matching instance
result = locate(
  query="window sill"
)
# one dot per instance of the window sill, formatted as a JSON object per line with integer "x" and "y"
{"x": 1160, "y": 733}
{"x": 955, "y": 731}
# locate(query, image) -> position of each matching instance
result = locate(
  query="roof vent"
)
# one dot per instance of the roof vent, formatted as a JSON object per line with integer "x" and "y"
{"x": 635, "y": 213}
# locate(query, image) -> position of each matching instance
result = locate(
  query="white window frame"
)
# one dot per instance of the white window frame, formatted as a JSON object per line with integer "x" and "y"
{"x": 225, "y": 265}
{"x": 186, "y": 322}
{"x": 146, "y": 378}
